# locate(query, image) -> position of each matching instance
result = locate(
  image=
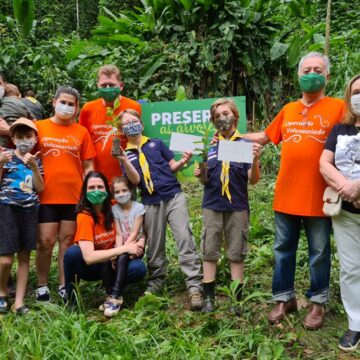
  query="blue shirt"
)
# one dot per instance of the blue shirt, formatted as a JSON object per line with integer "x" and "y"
{"x": 238, "y": 182}
{"x": 17, "y": 186}
{"x": 165, "y": 183}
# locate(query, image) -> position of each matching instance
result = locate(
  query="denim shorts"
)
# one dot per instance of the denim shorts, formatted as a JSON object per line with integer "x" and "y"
{"x": 18, "y": 229}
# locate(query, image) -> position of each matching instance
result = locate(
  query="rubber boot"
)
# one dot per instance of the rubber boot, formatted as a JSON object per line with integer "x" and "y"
{"x": 235, "y": 308}
{"x": 209, "y": 294}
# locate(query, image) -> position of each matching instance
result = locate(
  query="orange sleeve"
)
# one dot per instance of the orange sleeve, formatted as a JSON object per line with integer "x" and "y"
{"x": 84, "y": 228}
{"x": 273, "y": 131}
{"x": 87, "y": 148}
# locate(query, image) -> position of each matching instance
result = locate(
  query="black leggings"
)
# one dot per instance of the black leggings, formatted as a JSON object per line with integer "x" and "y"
{"x": 115, "y": 281}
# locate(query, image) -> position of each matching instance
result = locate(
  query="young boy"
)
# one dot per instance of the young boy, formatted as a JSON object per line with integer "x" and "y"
{"x": 225, "y": 203}
{"x": 150, "y": 165}
{"x": 21, "y": 174}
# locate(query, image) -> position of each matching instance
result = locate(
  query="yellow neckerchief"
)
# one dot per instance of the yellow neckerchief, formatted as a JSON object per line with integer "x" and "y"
{"x": 225, "y": 168}
{"x": 143, "y": 163}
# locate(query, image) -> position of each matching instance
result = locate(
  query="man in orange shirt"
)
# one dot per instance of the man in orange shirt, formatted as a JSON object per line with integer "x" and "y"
{"x": 303, "y": 127}
{"x": 94, "y": 117}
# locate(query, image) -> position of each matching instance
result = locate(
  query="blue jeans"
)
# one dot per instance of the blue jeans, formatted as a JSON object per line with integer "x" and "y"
{"x": 287, "y": 235}
{"x": 75, "y": 268}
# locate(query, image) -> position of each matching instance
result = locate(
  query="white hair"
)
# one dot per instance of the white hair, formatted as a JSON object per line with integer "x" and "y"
{"x": 315, "y": 54}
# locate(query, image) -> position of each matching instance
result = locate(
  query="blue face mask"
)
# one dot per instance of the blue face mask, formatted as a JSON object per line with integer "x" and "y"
{"x": 132, "y": 129}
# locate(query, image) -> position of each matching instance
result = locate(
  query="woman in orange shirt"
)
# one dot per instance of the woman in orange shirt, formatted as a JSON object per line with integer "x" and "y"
{"x": 67, "y": 154}
{"x": 96, "y": 244}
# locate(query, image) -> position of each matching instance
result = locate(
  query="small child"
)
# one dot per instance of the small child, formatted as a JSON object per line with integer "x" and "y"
{"x": 21, "y": 174}
{"x": 129, "y": 217}
{"x": 225, "y": 203}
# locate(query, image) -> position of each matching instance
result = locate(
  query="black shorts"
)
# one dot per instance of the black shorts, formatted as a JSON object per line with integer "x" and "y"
{"x": 18, "y": 229}
{"x": 53, "y": 213}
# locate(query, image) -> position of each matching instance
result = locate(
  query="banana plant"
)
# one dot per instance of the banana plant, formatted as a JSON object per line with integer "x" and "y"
{"x": 24, "y": 12}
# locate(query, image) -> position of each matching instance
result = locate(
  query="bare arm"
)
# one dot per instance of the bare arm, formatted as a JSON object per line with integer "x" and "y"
{"x": 136, "y": 230}
{"x": 88, "y": 165}
{"x": 131, "y": 172}
{"x": 4, "y": 127}
{"x": 349, "y": 190}
{"x": 254, "y": 171}
{"x": 332, "y": 176}
{"x": 92, "y": 256}
{"x": 31, "y": 161}
{"x": 119, "y": 238}
{"x": 258, "y": 137}
{"x": 177, "y": 165}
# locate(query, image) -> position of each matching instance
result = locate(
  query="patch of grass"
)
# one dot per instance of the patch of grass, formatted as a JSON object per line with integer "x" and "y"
{"x": 163, "y": 327}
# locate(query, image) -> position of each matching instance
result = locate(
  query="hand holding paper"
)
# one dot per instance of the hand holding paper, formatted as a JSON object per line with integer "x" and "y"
{"x": 184, "y": 142}
{"x": 236, "y": 151}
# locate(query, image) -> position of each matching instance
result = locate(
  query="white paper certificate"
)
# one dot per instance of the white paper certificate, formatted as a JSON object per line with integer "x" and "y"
{"x": 237, "y": 151}
{"x": 184, "y": 142}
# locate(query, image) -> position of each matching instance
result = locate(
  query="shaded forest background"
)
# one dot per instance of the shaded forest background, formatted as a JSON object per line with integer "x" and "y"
{"x": 211, "y": 48}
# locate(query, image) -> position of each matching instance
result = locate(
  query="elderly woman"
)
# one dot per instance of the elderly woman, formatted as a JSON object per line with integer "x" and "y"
{"x": 340, "y": 167}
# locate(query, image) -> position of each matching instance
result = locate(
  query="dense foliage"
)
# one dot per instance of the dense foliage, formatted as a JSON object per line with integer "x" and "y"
{"x": 212, "y": 48}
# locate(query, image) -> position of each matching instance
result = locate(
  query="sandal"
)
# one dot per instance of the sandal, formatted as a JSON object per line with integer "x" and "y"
{"x": 22, "y": 310}
{"x": 4, "y": 305}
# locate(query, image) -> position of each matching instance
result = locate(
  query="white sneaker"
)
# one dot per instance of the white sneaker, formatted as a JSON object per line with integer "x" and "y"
{"x": 114, "y": 306}
{"x": 42, "y": 294}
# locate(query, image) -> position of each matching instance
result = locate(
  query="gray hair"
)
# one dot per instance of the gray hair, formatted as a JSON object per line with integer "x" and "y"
{"x": 314, "y": 54}
{"x": 67, "y": 90}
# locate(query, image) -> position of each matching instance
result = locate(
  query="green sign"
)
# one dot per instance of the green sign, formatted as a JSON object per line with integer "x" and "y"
{"x": 187, "y": 117}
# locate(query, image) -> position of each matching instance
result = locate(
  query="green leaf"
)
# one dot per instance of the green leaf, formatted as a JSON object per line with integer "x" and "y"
{"x": 187, "y": 4}
{"x": 148, "y": 70}
{"x": 278, "y": 50}
{"x": 122, "y": 38}
{"x": 180, "y": 93}
{"x": 294, "y": 51}
{"x": 295, "y": 8}
{"x": 319, "y": 39}
{"x": 24, "y": 11}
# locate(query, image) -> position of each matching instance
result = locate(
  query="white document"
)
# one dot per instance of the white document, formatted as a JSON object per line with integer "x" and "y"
{"x": 236, "y": 151}
{"x": 184, "y": 142}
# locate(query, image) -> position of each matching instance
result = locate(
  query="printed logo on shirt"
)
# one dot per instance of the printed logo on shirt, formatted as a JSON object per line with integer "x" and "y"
{"x": 56, "y": 146}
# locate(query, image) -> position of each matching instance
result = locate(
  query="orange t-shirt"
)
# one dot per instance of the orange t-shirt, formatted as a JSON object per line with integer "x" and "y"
{"x": 87, "y": 230}
{"x": 299, "y": 186}
{"x": 63, "y": 149}
{"x": 93, "y": 117}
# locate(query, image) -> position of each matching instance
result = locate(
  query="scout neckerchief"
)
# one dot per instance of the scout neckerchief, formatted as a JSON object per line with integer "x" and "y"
{"x": 143, "y": 163}
{"x": 225, "y": 168}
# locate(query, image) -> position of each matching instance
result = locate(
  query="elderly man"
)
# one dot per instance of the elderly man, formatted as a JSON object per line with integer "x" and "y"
{"x": 94, "y": 116}
{"x": 303, "y": 127}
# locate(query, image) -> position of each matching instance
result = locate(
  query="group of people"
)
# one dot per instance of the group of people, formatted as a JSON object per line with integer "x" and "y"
{"x": 86, "y": 181}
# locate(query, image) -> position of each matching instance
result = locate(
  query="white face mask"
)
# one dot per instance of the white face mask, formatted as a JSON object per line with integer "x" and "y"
{"x": 2, "y": 92}
{"x": 65, "y": 111}
{"x": 355, "y": 104}
{"x": 123, "y": 199}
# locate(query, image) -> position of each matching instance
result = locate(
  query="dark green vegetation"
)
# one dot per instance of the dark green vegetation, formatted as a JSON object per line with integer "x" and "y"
{"x": 164, "y": 327}
{"x": 211, "y": 48}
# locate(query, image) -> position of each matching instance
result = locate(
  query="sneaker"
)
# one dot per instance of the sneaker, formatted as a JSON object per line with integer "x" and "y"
{"x": 4, "y": 305}
{"x": 62, "y": 292}
{"x": 104, "y": 305}
{"x": 349, "y": 341}
{"x": 42, "y": 293}
{"x": 196, "y": 300}
{"x": 113, "y": 307}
